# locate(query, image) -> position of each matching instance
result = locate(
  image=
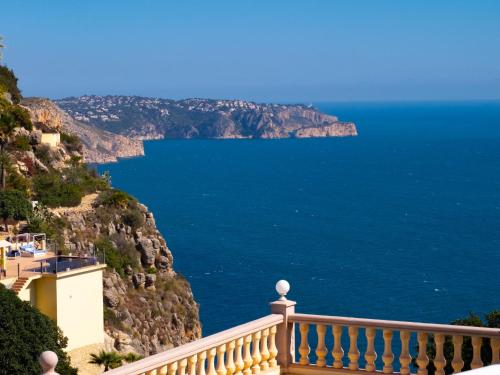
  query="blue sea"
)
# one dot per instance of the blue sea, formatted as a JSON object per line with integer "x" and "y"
{"x": 401, "y": 222}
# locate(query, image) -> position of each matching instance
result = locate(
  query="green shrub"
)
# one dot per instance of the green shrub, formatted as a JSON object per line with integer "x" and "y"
{"x": 15, "y": 180}
{"x": 21, "y": 117}
{"x": 52, "y": 191}
{"x": 14, "y": 205}
{"x": 83, "y": 177}
{"x": 25, "y": 333}
{"x": 42, "y": 152}
{"x": 22, "y": 143}
{"x": 151, "y": 270}
{"x": 134, "y": 218}
{"x": 40, "y": 220}
{"x": 115, "y": 198}
{"x": 71, "y": 142}
{"x": 8, "y": 81}
{"x": 115, "y": 258}
{"x": 66, "y": 188}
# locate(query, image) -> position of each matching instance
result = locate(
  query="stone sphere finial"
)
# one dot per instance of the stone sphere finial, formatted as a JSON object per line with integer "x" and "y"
{"x": 48, "y": 360}
{"x": 282, "y": 287}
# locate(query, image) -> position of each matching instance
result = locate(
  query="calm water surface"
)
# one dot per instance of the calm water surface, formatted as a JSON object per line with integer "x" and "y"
{"x": 401, "y": 222}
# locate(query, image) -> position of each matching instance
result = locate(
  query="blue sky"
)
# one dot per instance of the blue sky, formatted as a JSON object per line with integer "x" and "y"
{"x": 259, "y": 50}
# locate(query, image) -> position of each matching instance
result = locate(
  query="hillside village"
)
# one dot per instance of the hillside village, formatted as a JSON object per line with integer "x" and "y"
{"x": 154, "y": 118}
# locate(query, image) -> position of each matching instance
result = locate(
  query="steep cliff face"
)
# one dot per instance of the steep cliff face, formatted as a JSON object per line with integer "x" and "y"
{"x": 153, "y": 118}
{"x": 99, "y": 146}
{"x": 148, "y": 306}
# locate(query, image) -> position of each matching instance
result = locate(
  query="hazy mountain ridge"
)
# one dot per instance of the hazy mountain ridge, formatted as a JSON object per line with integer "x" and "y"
{"x": 155, "y": 118}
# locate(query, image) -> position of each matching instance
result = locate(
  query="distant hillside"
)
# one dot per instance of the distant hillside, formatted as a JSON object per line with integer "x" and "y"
{"x": 99, "y": 146}
{"x": 154, "y": 118}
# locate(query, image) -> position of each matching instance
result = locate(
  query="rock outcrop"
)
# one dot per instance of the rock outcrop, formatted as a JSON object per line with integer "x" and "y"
{"x": 99, "y": 146}
{"x": 154, "y": 118}
{"x": 148, "y": 306}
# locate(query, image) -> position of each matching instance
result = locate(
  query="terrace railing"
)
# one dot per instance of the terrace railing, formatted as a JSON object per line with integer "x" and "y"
{"x": 393, "y": 358}
{"x": 243, "y": 350}
{"x": 60, "y": 263}
{"x": 280, "y": 343}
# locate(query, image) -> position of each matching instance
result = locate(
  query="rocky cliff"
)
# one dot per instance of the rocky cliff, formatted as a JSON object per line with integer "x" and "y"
{"x": 99, "y": 146}
{"x": 154, "y": 118}
{"x": 148, "y": 306}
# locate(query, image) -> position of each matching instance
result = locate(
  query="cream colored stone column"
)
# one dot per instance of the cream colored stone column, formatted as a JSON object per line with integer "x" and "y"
{"x": 285, "y": 336}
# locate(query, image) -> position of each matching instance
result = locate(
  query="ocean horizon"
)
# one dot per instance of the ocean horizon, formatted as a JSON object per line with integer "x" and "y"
{"x": 401, "y": 222}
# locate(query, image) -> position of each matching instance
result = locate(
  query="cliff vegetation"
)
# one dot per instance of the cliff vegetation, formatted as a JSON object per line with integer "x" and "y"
{"x": 148, "y": 306}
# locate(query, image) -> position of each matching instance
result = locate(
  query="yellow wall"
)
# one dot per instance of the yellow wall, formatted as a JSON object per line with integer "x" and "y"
{"x": 45, "y": 300}
{"x": 73, "y": 299}
{"x": 51, "y": 139}
{"x": 80, "y": 312}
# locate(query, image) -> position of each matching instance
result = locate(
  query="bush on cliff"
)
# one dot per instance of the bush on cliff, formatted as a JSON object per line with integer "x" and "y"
{"x": 53, "y": 191}
{"x": 117, "y": 259}
{"x": 66, "y": 188}
{"x": 71, "y": 142}
{"x": 25, "y": 333}
{"x": 13, "y": 205}
{"x": 134, "y": 218}
{"x": 115, "y": 198}
{"x": 8, "y": 81}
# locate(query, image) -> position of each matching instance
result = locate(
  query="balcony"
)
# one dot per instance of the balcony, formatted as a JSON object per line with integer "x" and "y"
{"x": 286, "y": 342}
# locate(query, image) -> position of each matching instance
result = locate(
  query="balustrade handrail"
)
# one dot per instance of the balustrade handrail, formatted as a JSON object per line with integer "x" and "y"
{"x": 195, "y": 347}
{"x": 395, "y": 325}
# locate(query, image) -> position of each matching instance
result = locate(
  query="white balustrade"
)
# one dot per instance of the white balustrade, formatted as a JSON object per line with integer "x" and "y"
{"x": 267, "y": 346}
{"x": 244, "y": 350}
{"x": 396, "y": 359}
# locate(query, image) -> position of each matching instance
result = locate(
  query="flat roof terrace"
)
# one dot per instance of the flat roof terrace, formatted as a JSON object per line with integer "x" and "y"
{"x": 20, "y": 266}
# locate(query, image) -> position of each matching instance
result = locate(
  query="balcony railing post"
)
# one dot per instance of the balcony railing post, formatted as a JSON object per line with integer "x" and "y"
{"x": 285, "y": 340}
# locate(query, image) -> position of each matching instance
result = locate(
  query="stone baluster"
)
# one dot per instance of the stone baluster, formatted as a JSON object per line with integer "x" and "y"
{"x": 247, "y": 357}
{"x": 264, "y": 350}
{"x": 230, "y": 365}
{"x": 321, "y": 350}
{"x": 273, "y": 350}
{"x": 238, "y": 362}
{"x": 182, "y": 367}
{"x": 192, "y": 364}
{"x": 457, "y": 363}
{"x": 370, "y": 354}
{"x": 163, "y": 370}
{"x": 388, "y": 356}
{"x": 151, "y": 372}
{"x": 211, "y": 362}
{"x": 256, "y": 357}
{"x": 201, "y": 363}
{"x": 172, "y": 368}
{"x": 422, "y": 359}
{"x": 221, "y": 367}
{"x": 353, "y": 353}
{"x": 495, "y": 349}
{"x": 304, "y": 348}
{"x": 439, "y": 359}
{"x": 405, "y": 357}
{"x": 337, "y": 352}
{"x": 476, "y": 352}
